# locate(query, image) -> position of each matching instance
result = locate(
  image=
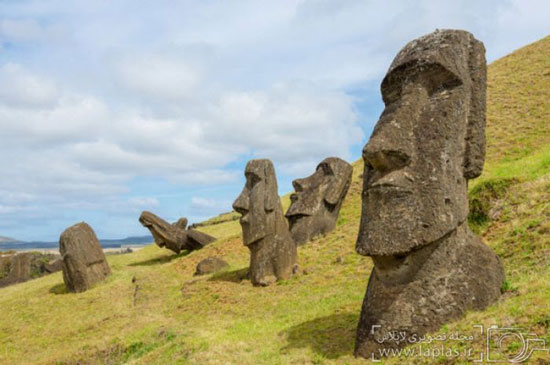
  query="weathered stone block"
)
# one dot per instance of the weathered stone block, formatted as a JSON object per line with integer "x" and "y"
{"x": 210, "y": 265}
{"x": 84, "y": 262}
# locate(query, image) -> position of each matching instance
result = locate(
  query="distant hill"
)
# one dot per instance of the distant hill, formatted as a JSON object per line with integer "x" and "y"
{"x": 11, "y": 244}
{"x": 7, "y": 239}
{"x": 134, "y": 240}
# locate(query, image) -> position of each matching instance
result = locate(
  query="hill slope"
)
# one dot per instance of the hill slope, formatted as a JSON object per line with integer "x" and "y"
{"x": 152, "y": 310}
{"x": 518, "y": 108}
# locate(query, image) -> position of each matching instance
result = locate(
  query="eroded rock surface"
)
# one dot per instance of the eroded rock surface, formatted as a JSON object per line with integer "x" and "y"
{"x": 210, "y": 265}
{"x": 53, "y": 266}
{"x": 272, "y": 250}
{"x": 84, "y": 262}
{"x": 430, "y": 139}
{"x": 174, "y": 236}
{"x": 317, "y": 199}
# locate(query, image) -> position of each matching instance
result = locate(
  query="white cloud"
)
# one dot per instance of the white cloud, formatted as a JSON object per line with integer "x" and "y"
{"x": 143, "y": 202}
{"x": 204, "y": 177}
{"x": 157, "y": 77}
{"x": 29, "y": 30}
{"x": 208, "y": 207}
{"x": 202, "y": 203}
{"x": 289, "y": 123}
{"x": 23, "y": 89}
{"x": 20, "y": 30}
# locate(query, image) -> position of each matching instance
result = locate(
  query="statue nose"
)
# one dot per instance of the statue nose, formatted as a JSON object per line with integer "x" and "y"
{"x": 241, "y": 204}
{"x": 391, "y": 145}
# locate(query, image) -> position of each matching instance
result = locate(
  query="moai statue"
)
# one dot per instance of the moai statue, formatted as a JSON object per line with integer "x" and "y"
{"x": 317, "y": 199}
{"x": 174, "y": 236}
{"x": 84, "y": 262}
{"x": 429, "y": 141}
{"x": 265, "y": 232}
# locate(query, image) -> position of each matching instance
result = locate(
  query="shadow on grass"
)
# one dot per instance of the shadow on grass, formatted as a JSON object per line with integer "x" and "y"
{"x": 160, "y": 260}
{"x": 331, "y": 336}
{"x": 59, "y": 289}
{"x": 235, "y": 276}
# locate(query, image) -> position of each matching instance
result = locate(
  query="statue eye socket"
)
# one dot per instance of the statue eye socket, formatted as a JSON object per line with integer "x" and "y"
{"x": 368, "y": 168}
{"x": 436, "y": 79}
{"x": 325, "y": 168}
{"x": 438, "y": 85}
{"x": 252, "y": 180}
{"x": 433, "y": 77}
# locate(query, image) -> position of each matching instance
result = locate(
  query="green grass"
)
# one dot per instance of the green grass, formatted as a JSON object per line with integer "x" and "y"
{"x": 174, "y": 317}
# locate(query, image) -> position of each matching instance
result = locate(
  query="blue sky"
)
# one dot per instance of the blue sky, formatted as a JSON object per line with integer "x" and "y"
{"x": 108, "y": 108}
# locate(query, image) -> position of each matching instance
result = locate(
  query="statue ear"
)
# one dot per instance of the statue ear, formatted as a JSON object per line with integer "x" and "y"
{"x": 271, "y": 193}
{"x": 181, "y": 223}
{"x": 474, "y": 155}
{"x": 339, "y": 187}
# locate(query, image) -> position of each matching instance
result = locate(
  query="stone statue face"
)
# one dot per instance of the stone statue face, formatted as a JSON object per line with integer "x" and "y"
{"x": 160, "y": 229}
{"x": 317, "y": 198}
{"x": 174, "y": 236}
{"x": 257, "y": 201}
{"x": 427, "y": 143}
{"x": 424, "y": 147}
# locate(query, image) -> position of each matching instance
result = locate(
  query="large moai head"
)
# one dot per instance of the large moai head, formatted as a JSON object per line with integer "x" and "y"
{"x": 258, "y": 201}
{"x": 317, "y": 199}
{"x": 428, "y": 266}
{"x": 427, "y": 143}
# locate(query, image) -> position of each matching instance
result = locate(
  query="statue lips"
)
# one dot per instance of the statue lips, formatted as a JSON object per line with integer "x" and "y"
{"x": 245, "y": 224}
{"x": 296, "y": 209}
{"x": 397, "y": 180}
{"x": 244, "y": 219}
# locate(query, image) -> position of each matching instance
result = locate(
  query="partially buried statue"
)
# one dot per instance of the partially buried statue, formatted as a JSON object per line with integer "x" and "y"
{"x": 429, "y": 141}
{"x": 18, "y": 269}
{"x": 174, "y": 236}
{"x": 84, "y": 262}
{"x": 317, "y": 199}
{"x": 265, "y": 232}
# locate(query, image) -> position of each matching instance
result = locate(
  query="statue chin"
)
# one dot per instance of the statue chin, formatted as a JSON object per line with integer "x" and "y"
{"x": 299, "y": 227}
{"x": 401, "y": 269}
{"x": 397, "y": 224}
{"x": 252, "y": 241}
{"x": 255, "y": 230}
{"x": 305, "y": 227}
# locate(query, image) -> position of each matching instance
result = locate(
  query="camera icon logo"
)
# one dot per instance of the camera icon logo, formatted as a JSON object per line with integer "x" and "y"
{"x": 512, "y": 345}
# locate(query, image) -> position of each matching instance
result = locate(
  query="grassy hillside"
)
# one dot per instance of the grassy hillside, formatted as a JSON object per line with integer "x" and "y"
{"x": 152, "y": 310}
{"x": 518, "y": 109}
